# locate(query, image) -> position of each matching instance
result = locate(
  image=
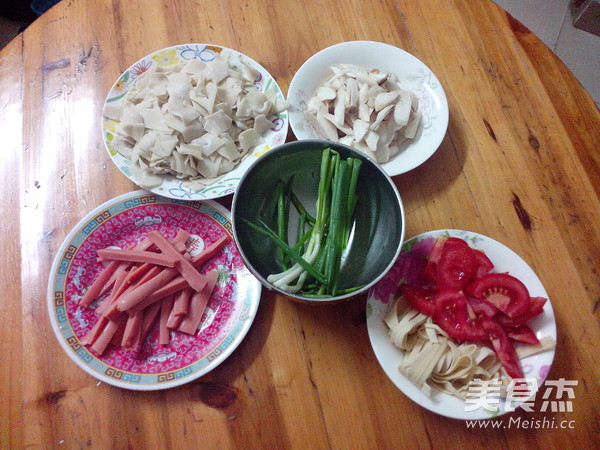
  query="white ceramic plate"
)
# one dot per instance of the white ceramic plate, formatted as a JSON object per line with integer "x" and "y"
{"x": 389, "y": 356}
{"x": 172, "y": 187}
{"x": 411, "y": 72}
{"x": 123, "y": 221}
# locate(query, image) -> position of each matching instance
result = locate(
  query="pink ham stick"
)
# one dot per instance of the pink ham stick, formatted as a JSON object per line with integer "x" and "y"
{"x": 189, "y": 272}
{"x": 94, "y": 332}
{"x": 198, "y": 304}
{"x": 164, "y": 335}
{"x": 178, "y": 283}
{"x": 150, "y": 315}
{"x": 139, "y": 293}
{"x": 209, "y": 251}
{"x": 138, "y": 256}
{"x": 99, "y": 284}
{"x": 133, "y": 327}
{"x": 102, "y": 341}
{"x": 92, "y": 293}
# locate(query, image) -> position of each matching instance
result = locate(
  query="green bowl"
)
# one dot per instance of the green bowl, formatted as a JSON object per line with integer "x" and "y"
{"x": 379, "y": 215}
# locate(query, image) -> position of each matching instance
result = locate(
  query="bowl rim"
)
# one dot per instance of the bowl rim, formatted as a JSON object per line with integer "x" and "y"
{"x": 273, "y": 154}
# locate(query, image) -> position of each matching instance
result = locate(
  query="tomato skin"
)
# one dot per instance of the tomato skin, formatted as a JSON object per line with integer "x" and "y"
{"x": 430, "y": 269}
{"x": 457, "y": 264}
{"x": 536, "y": 307}
{"x": 484, "y": 264}
{"x": 523, "y": 334}
{"x": 454, "y": 315}
{"x": 503, "y": 347}
{"x": 419, "y": 298}
{"x": 504, "y": 291}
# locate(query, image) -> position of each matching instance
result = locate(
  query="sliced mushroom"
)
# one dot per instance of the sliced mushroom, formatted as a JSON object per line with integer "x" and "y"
{"x": 368, "y": 109}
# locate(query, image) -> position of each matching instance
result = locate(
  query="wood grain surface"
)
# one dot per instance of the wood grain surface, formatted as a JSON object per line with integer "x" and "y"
{"x": 520, "y": 163}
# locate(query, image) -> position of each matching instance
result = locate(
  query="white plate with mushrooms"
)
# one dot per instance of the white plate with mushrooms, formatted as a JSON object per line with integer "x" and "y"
{"x": 185, "y": 122}
{"x": 374, "y": 97}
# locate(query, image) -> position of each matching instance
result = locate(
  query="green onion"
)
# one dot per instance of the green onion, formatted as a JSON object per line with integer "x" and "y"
{"x": 300, "y": 208}
{"x": 266, "y": 231}
{"x": 282, "y": 217}
{"x": 311, "y": 267}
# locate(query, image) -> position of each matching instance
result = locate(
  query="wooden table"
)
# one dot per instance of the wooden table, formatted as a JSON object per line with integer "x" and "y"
{"x": 520, "y": 163}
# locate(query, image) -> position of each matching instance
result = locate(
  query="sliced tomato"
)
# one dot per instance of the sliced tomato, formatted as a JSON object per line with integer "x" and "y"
{"x": 419, "y": 298}
{"x": 481, "y": 307}
{"x": 454, "y": 315}
{"x": 503, "y": 347}
{"x": 523, "y": 334}
{"x": 457, "y": 264}
{"x": 484, "y": 264}
{"x": 536, "y": 306}
{"x": 430, "y": 269}
{"x": 504, "y": 291}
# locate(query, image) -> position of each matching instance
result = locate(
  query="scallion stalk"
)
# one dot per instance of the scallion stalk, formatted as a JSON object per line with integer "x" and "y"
{"x": 316, "y": 257}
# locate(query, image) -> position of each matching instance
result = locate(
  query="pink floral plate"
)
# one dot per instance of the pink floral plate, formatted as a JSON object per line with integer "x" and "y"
{"x": 380, "y": 298}
{"x": 121, "y": 222}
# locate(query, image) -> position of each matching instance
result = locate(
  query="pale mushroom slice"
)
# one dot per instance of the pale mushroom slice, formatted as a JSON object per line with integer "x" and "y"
{"x": 384, "y": 99}
{"x": 360, "y": 128}
{"x": 366, "y": 108}
{"x": 411, "y": 129}
{"x": 316, "y": 124}
{"x": 325, "y": 93}
{"x": 402, "y": 111}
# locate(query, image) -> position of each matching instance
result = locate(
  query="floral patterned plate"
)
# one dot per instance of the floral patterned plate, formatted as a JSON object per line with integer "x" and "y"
{"x": 172, "y": 187}
{"x": 126, "y": 220}
{"x": 380, "y": 300}
{"x": 376, "y": 55}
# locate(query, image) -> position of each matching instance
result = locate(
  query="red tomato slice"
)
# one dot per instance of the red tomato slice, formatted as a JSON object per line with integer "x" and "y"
{"x": 523, "y": 334}
{"x": 484, "y": 264}
{"x": 457, "y": 264}
{"x": 454, "y": 315}
{"x": 536, "y": 306}
{"x": 503, "y": 348}
{"x": 419, "y": 298}
{"x": 504, "y": 291}
{"x": 481, "y": 307}
{"x": 430, "y": 270}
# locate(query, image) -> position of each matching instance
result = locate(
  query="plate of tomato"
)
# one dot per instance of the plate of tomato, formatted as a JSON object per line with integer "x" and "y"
{"x": 474, "y": 288}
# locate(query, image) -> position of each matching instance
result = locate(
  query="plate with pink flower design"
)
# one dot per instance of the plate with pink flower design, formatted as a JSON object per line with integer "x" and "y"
{"x": 185, "y": 176}
{"x": 124, "y": 221}
{"x": 412, "y": 74}
{"x": 408, "y": 269}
